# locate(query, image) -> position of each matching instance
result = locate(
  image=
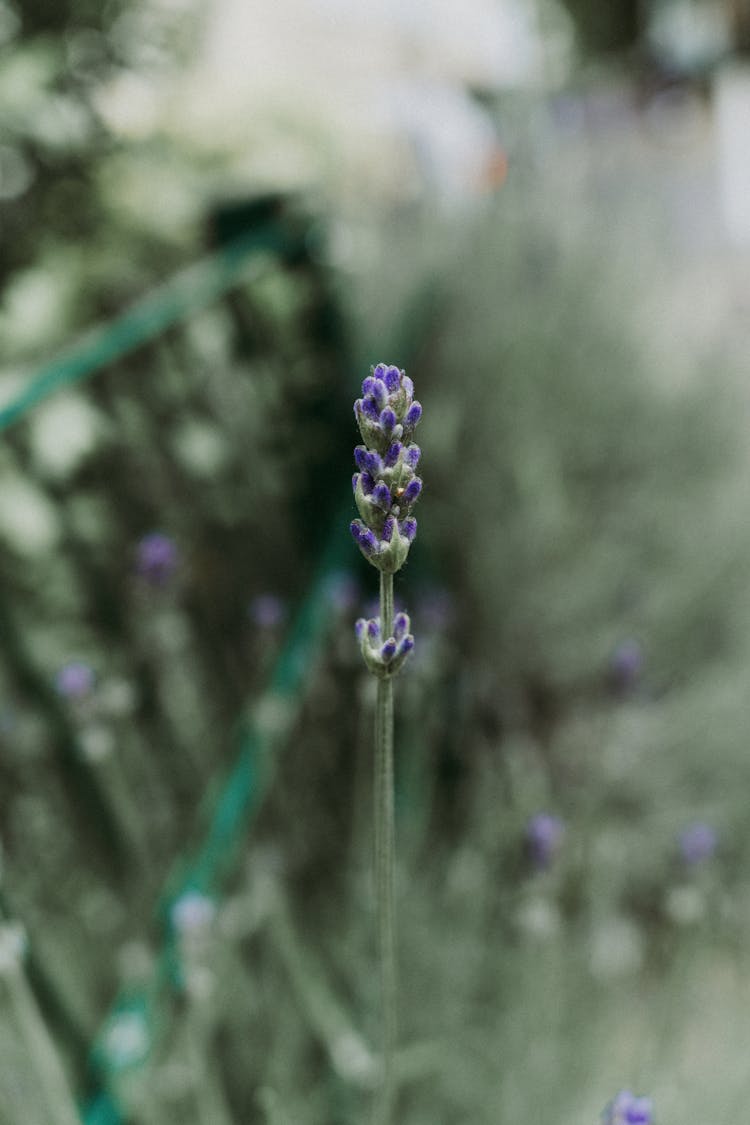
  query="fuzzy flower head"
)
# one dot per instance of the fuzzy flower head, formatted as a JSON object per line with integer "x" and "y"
{"x": 544, "y": 836}
{"x": 386, "y": 485}
{"x": 627, "y": 1109}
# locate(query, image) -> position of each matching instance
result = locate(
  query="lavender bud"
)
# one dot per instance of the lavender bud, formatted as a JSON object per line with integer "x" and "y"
{"x": 400, "y": 625}
{"x": 368, "y": 386}
{"x": 373, "y": 629}
{"x": 381, "y": 495}
{"x": 392, "y": 380}
{"x": 360, "y": 627}
{"x": 408, "y": 528}
{"x": 388, "y": 529}
{"x": 379, "y": 371}
{"x": 367, "y": 407}
{"x": 379, "y": 393}
{"x": 364, "y": 538}
{"x": 393, "y": 455}
{"x": 388, "y": 651}
{"x": 408, "y": 387}
{"x": 373, "y": 463}
{"x": 366, "y": 483}
{"x": 405, "y": 645}
{"x": 627, "y": 1109}
{"x": 412, "y": 455}
{"x": 413, "y": 414}
{"x": 388, "y": 420}
{"x": 411, "y": 492}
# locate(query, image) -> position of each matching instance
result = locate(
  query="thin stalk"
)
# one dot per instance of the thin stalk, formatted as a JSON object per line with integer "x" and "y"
{"x": 47, "y": 1067}
{"x": 385, "y": 861}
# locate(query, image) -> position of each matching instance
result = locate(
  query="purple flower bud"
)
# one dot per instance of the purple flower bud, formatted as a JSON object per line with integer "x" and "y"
{"x": 364, "y": 538}
{"x": 379, "y": 393}
{"x": 405, "y": 645}
{"x": 698, "y": 842}
{"x": 368, "y": 386}
{"x": 75, "y": 680}
{"x": 400, "y": 625}
{"x": 408, "y": 528}
{"x": 366, "y": 483}
{"x": 360, "y": 453}
{"x": 381, "y": 495}
{"x": 411, "y": 492}
{"x": 627, "y": 1109}
{"x": 388, "y": 420}
{"x": 413, "y": 414}
{"x": 157, "y": 558}
{"x": 412, "y": 455}
{"x": 392, "y": 379}
{"x": 373, "y": 463}
{"x": 367, "y": 407}
{"x": 393, "y": 454}
{"x": 379, "y": 371}
{"x": 360, "y": 625}
{"x": 544, "y": 835}
{"x": 388, "y": 651}
{"x": 373, "y": 629}
{"x": 388, "y": 528}
{"x": 408, "y": 386}
{"x": 267, "y": 611}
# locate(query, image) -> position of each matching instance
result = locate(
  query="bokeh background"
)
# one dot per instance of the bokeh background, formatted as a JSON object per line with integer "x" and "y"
{"x": 213, "y": 218}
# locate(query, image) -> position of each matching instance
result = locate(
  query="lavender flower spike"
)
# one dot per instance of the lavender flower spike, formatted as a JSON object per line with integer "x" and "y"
{"x": 386, "y": 486}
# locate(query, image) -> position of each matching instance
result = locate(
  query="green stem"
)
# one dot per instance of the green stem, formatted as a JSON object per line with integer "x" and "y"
{"x": 385, "y": 860}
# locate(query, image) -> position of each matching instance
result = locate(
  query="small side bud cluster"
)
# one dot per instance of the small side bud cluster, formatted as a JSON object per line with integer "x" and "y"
{"x": 386, "y": 486}
{"x": 382, "y": 656}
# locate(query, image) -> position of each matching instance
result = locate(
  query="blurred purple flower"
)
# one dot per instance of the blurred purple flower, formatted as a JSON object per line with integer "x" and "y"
{"x": 626, "y": 665}
{"x": 267, "y": 611}
{"x": 342, "y": 591}
{"x": 157, "y": 558}
{"x": 75, "y": 680}
{"x": 627, "y": 1109}
{"x": 697, "y": 843}
{"x": 544, "y": 835}
{"x": 436, "y": 609}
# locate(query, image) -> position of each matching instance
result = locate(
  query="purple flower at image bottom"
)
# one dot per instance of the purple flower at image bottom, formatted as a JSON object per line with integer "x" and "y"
{"x": 697, "y": 843}
{"x": 75, "y": 680}
{"x": 157, "y": 558}
{"x": 544, "y": 835}
{"x": 627, "y": 1109}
